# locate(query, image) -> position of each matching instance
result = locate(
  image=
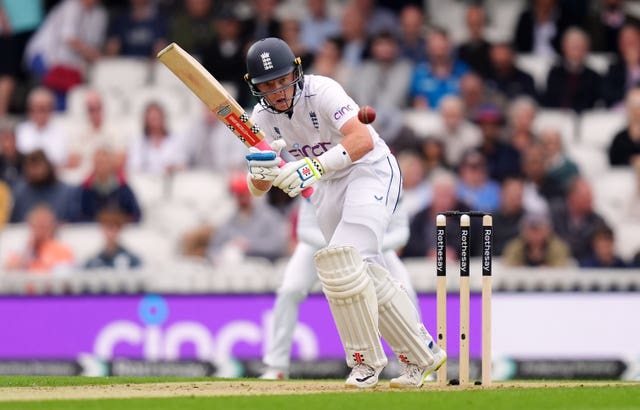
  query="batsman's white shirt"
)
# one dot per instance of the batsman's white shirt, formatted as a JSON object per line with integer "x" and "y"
{"x": 354, "y": 205}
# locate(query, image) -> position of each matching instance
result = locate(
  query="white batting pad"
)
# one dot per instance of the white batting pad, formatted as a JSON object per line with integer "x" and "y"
{"x": 399, "y": 322}
{"x": 352, "y": 298}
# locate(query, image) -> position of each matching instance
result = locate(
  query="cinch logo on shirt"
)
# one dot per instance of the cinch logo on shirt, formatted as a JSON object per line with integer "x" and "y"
{"x": 301, "y": 151}
{"x": 340, "y": 111}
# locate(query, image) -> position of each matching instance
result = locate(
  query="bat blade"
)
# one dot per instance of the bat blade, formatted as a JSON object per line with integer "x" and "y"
{"x": 216, "y": 97}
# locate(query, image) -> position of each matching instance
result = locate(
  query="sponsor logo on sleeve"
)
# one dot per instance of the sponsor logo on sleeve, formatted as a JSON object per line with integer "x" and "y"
{"x": 340, "y": 112}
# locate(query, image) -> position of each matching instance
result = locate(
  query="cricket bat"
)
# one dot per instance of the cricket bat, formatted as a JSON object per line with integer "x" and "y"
{"x": 213, "y": 95}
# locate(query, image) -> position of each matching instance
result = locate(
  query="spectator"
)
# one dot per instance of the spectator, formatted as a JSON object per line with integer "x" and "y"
{"x": 416, "y": 193}
{"x": 575, "y": 219}
{"x": 40, "y": 132}
{"x": 105, "y": 188}
{"x": 142, "y": 31}
{"x": 209, "y": 147}
{"x": 433, "y": 156}
{"x": 475, "y": 50}
{"x": 603, "y": 24}
{"x": 506, "y": 219}
{"x": 624, "y": 149}
{"x": 18, "y": 21}
{"x": 290, "y": 33}
{"x": 475, "y": 95}
{"x": 378, "y": 18}
{"x": 113, "y": 255}
{"x": 318, "y": 25}
{"x": 413, "y": 44}
{"x": 390, "y": 74}
{"x": 457, "y": 134}
{"x": 604, "y": 252}
{"x": 505, "y": 77}
{"x": 43, "y": 253}
{"x": 10, "y": 158}
{"x": 255, "y": 230}
{"x": 192, "y": 27}
{"x": 156, "y": 151}
{"x": 474, "y": 185}
{"x": 624, "y": 72}
{"x": 41, "y": 185}
{"x": 522, "y": 114}
{"x": 329, "y": 62}
{"x": 225, "y": 53}
{"x": 560, "y": 169}
{"x": 570, "y": 83}
{"x": 263, "y": 23}
{"x": 539, "y": 190}
{"x": 422, "y": 229}
{"x": 66, "y": 44}
{"x": 502, "y": 159}
{"x": 537, "y": 245}
{"x": 540, "y": 28}
{"x": 439, "y": 76}
{"x": 354, "y": 36}
{"x": 95, "y": 131}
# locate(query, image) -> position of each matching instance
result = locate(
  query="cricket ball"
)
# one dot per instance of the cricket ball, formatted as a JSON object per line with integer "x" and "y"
{"x": 367, "y": 114}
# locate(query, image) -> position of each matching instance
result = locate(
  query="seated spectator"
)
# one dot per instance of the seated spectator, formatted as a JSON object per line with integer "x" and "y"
{"x": 43, "y": 253}
{"x": 225, "y": 53}
{"x": 537, "y": 244}
{"x": 254, "y": 230}
{"x": 505, "y": 77}
{"x": 10, "y": 158}
{"x": 506, "y": 219}
{"x": 502, "y": 159}
{"x": 624, "y": 72}
{"x": 422, "y": 229}
{"x": 457, "y": 134}
{"x": 40, "y": 132}
{"x": 603, "y": 23}
{"x": 41, "y": 185}
{"x": 624, "y": 149}
{"x": 540, "y": 27}
{"x": 290, "y": 33}
{"x": 18, "y": 21}
{"x": 413, "y": 44}
{"x": 209, "y": 147}
{"x": 387, "y": 70}
{"x": 575, "y": 219}
{"x": 113, "y": 254}
{"x": 539, "y": 189}
{"x": 157, "y": 150}
{"x": 439, "y": 76}
{"x": 378, "y": 18}
{"x": 416, "y": 193}
{"x": 318, "y": 25}
{"x": 353, "y": 29}
{"x": 192, "y": 26}
{"x": 263, "y": 21}
{"x": 106, "y": 188}
{"x": 475, "y": 50}
{"x": 522, "y": 113}
{"x": 604, "y": 253}
{"x": 95, "y": 131}
{"x": 475, "y": 95}
{"x": 66, "y": 44}
{"x": 141, "y": 31}
{"x": 329, "y": 63}
{"x": 570, "y": 83}
{"x": 433, "y": 156}
{"x": 474, "y": 185}
{"x": 560, "y": 169}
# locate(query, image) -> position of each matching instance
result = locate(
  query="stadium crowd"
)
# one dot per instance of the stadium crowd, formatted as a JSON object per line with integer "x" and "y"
{"x": 485, "y": 111}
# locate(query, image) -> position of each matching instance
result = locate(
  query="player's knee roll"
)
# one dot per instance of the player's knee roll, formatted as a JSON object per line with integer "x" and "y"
{"x": 341, "y": 271}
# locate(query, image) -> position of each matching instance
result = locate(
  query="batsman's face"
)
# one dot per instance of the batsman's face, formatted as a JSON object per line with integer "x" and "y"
{"x": 279, "y": 93}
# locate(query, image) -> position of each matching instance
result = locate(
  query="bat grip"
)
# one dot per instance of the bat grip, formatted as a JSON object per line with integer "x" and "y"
{"x": 264, "y": 145}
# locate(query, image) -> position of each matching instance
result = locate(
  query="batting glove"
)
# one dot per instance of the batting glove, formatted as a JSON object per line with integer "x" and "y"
{"x": 263, "y": 165}
{"x": 298, "y": 175}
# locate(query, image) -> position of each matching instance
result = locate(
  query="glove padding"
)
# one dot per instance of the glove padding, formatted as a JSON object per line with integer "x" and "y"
{"x": 263, "y": 165}
{"x": 298, "y": 175}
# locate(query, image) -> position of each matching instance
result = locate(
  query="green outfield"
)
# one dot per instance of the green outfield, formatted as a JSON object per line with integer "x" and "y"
{"x": 70, "y": 393}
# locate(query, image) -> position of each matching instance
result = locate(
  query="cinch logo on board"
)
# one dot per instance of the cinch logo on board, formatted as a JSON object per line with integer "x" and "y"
{"x": 159, "y": 341}
{"x": 341, "y": 111}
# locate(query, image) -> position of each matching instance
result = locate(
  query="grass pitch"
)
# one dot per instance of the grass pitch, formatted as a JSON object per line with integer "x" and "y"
{"x": 71, "y": 393}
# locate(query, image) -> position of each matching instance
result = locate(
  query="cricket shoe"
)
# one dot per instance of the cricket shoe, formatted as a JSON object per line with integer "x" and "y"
{"x": 415, "y": 376}
{"x": 274, "y": 373}
{"x": 363, "y": 376}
